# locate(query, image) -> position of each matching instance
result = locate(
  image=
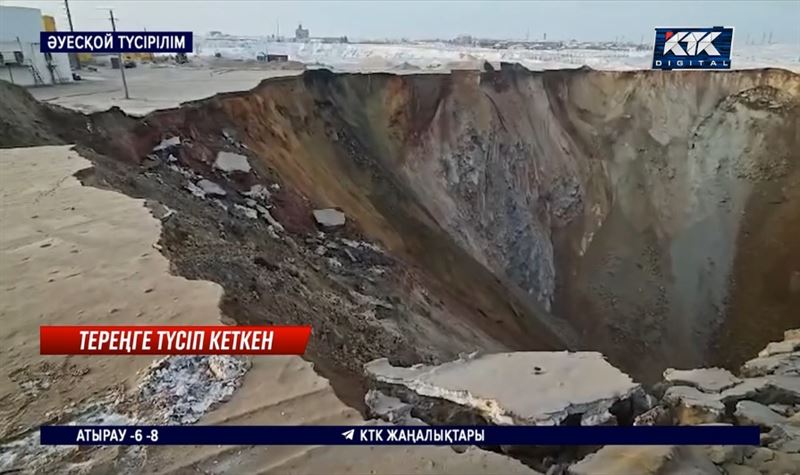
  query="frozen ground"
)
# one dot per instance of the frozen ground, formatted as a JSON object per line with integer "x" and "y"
{"x": 439, "y": 56}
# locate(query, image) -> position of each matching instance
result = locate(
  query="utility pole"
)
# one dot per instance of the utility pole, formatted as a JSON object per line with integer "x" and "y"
{"x": 119, "y": 55}
{"x": 74, "y": 60}
{"x": 69, "y": 15}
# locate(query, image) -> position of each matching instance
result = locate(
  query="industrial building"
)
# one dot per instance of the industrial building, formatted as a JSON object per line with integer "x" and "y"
{"x": 21, "y": 60}
{"x": 301, "y": 34}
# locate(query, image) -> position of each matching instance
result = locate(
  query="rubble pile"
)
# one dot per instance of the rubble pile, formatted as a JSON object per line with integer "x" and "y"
{"x": 767, "y": 393}
{"x": 563, "y": 388}
{"x": 254, "y": 203}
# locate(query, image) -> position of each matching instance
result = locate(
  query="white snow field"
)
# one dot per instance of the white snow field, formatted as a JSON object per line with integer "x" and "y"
{"x": 440, "y": 55}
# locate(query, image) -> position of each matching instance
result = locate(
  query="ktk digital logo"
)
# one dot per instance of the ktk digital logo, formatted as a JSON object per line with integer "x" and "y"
{"x": 693, "y": 48}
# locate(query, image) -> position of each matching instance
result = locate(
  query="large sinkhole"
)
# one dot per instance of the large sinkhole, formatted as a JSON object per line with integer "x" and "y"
{"x": 652, "y": 216}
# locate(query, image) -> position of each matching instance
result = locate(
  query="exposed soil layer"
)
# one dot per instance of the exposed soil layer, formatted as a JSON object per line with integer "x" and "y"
{"x": 652, "y": 216}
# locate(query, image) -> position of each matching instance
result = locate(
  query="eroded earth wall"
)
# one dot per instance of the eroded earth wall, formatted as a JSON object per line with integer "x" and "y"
{"x": 652, "y": 216}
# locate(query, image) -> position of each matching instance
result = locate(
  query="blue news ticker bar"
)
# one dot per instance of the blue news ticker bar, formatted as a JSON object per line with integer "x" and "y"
{"x": 115, "y": 41}
{"x": 421, "y": 435}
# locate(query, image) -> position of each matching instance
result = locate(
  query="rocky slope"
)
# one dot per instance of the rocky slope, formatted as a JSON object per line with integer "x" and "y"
{"x": 647, "y": 215}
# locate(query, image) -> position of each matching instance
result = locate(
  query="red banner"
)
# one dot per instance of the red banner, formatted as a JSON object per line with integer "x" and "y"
{"x": 173, "y": 340}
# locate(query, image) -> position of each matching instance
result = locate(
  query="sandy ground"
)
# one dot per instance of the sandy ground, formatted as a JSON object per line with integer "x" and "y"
{"x": 76, "y": 255}
{"x": 73, "y": 254}
{"x": 151, "y": 87}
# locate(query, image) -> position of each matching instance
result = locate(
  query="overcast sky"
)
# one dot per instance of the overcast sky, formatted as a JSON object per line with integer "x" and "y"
{"x": 581, "y": 20}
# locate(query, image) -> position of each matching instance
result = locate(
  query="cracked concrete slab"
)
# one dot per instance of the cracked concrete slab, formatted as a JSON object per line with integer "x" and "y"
{"x": 500, "y": 386}
{"x": 753, "y": 413}
{"x": 710, "y": 380}
{"x": 231, "y": 162}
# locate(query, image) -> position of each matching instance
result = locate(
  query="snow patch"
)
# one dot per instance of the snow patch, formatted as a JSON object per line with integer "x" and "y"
{"x": 180, "y": 389}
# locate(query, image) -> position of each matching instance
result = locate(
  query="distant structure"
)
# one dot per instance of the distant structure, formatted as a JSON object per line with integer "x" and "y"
{"x": 277, "y": 58}
{"x": 21, "y": 61}
{"x": 333, "y": 39}
{"x": 301, "y": 34}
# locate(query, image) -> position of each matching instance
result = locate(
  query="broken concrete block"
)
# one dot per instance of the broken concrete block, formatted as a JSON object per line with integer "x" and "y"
{"x": 499, "y": 387}
{"x": 257, "y": 192}
{"x": 195, "y": 190}
{"x": 783, "y": 409}
{"x": 644, "y": 460}
{"x": 751, "y": 413}
{"x": 272, "y": 221}
{"x": 784, "y": 437}
{"x": 231, "y": 162}
{"x": 167, "y": 143}
{"x": 785, "y": 388}
{"x": 692, "y": 407}
{"x": 748, "y": 389}
{"x": 722, "y": 454}
{"x": 780, "y": 363}
{"x": 778, "y": 347}
{"x": 329, "y": 218}
{"x": 211, "y": 188}
{"x": 793, "y": 334}
{"x": 709, "y": 380}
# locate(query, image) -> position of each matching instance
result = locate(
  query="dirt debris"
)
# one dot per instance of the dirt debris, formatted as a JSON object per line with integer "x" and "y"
{"x": 222, "y": 240}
